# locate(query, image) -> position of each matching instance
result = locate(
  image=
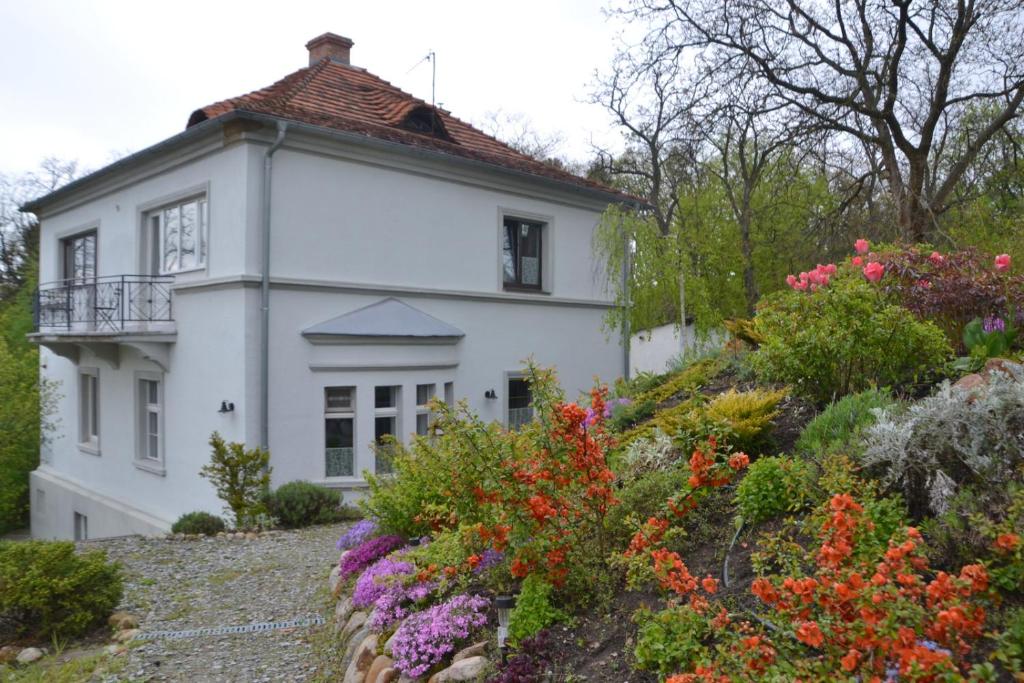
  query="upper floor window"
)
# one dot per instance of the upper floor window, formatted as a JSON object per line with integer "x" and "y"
{"x": 521, "y": 253}
{"x": 178, "y": 235}
{"x": 79, "y": 256}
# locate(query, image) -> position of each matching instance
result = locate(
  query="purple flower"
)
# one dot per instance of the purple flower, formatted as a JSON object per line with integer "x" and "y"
{"x": 488, "y": 558}
{"x": 609, "y": 407}
{"x": 591, "y": 418}
{"x": 395, "y": 603}
{"x": 378, "y": 578}
{"x": 356, "y": 534}
{"x": 362, "y": 556}
{"x": 993, "y": 323}
{"x": 426, "y": 638}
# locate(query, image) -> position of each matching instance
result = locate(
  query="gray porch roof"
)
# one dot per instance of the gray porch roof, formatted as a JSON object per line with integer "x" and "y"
{"x": 389, "y": 318}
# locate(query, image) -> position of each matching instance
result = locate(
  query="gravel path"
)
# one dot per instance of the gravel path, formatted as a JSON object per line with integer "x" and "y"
{"x": 176, "y": 585}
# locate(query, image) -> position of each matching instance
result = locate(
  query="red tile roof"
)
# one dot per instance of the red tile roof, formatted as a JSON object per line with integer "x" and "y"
{"x": 347, "y": 98}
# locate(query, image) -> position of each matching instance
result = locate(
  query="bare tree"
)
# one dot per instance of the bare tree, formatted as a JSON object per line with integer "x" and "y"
{"x": 903, "y": 77}
{"x": 518, "y": 131}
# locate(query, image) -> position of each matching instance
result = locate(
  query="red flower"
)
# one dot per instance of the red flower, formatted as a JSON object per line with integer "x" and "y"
{"x": 1003, "y": 263}
{"x": 936, "y": 258}
{"x": 1007, "y": 542}
{"x": 809, "y": 634}
{"x": 710, "y": 585}
{"x": 862, "y": 246}
{"x": 857, "y": 261}
{"x": 473, "y": 560}
{"x": 874, "y": 271}
{"x": 850, "y": 661}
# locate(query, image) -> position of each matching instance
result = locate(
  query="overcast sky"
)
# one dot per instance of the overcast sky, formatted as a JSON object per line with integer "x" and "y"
{"x": 88, "y": 79}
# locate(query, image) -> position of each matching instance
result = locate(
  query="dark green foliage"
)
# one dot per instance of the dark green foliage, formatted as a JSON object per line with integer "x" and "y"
{"x": 625, "y": 415}
{"x": 300, "y": 503}
{"x": 533, "y": 610}
{"x": 845, "y": 338}
{"x": 48, "y": 591}
{"x": 838, "y": 427}
{"x": 641, "y": 498}
{"x": 772, "y": 487}
{"x": 240, "y": 475}
{"x": 198, "y": 522}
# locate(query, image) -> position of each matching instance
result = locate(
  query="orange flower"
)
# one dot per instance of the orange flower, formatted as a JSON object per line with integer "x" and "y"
{"x": 710, "y": 585}
{"x": 450, "y": 571}
{"x": 738, "y": 461}
{"x": 473, "y": 561}
{"x": 519, "y": 568}
{"x": 850, "y": 661}
{"x": 1007, "y": 542}
{"x": 809, "y": 634}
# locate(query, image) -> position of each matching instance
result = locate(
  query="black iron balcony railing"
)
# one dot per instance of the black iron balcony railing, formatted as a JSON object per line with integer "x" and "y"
{"x": 102, "y": 304}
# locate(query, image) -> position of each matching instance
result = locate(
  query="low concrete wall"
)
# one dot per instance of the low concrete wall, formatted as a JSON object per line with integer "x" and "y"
{"x": 652, "y": 350}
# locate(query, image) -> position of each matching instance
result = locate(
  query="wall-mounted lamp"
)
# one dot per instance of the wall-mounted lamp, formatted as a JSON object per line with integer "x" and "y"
{"x": 490, "y": 393}
{"x": 226, "y": 407}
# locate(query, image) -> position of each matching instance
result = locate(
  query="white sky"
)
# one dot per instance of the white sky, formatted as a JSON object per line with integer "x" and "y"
{"x": 85, "y": 79}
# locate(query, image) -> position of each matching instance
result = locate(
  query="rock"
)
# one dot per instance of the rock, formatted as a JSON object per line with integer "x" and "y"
{"x": 1003, "y": 365}
{"x": 115, "y": 649}
{"x": 127, "y": 634}
{"x": 251, "y": 536}
{"x": 239, "y": 535}
{"x": 469, "y": 669}
{"x": 8, "y": 653}
{"x": 342, "y": 611}
{"x": 380, "y": 664}
{"x": 355, "y": 622}
{"x": 362, "y": 659}
{"x": 334, "y": 581}
{"x": 29, "y": 655}
{"x": 405, "y": 679}
{"x": 474, "y": 650}
{"x": 389, "y": 675}
{"x": 123, "y": 621}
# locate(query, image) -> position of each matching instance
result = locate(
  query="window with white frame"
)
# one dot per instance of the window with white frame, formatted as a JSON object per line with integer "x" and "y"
{"x": 89, "y": 408}
{"x": 521, "y": 253}
{"x": 81, "y": 527}
{"x": 520, "y": 402}
{"x": 449, "y": 394}
{"x": 386, "y": 402}
{"x": 150, "y": 420}
{"x": 424, "y": 394}
{"x": 178, "y": 236}
{"x": 339, "y": 431}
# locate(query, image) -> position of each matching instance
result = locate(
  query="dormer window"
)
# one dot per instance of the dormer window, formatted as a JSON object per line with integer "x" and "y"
{"x": 425, "y": 121}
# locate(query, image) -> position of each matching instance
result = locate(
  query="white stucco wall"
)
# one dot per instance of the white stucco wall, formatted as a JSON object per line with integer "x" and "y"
{"x": 654, "y": 349}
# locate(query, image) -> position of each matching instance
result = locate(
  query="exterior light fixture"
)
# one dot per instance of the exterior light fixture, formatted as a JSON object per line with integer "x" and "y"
{"x": 414, "y": 542}
{"x": 490, "y": 393}
{"x": 226, "y": 407}
{"x": 504, "y": 604}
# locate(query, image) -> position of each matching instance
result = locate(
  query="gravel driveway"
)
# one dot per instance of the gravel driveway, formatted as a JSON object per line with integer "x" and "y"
{"x": 174, "y": 585}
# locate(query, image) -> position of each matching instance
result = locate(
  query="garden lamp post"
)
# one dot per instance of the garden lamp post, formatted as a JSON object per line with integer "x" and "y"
{"x": 504, "y": 604}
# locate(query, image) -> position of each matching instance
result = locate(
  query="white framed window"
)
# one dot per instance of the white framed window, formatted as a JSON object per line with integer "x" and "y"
{"x": 81, "y": 527}
{"x": 424, "y": 393}
{"x": 386, "y": 402}
{"x": 178, "y": 234}
{"x": 449, "y": 394}
{"x": 150, "y": 420}
{"x": 89, "y": 409}
{"x": 519, "y": 401}
{"x": 339, "y": 431}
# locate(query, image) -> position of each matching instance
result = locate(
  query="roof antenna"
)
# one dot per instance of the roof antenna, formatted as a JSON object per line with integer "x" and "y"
{"x": 432, "y": 58}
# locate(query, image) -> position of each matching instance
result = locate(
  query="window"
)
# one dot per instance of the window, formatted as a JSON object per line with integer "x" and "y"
{"x": 449, "y": 394}
{"x": 521, "y": 254}
{"x": 520, "y": 399}
{"x": 79, "y": 255}
{"x": 81, "y": 527}
{"x": 150, "y": 419}
{"x": 385, "y": 423}
{"x": 178, "y": 235}
{"x": 424, "y": 393}
{"x": 339, "y": 431}
{"x": 89, "y": 408}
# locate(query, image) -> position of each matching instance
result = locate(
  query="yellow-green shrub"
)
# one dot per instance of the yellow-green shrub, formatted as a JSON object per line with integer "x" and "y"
{"x": 684, "y": 381}
{"x": 680, "y": 417}
{"x": 747, "y": 414}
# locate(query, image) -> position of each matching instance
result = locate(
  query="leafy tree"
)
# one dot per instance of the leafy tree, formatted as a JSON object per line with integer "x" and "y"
{"x": 240, "y": 476}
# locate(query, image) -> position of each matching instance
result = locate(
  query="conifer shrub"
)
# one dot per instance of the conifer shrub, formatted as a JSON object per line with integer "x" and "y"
{"x": 839, "y": 427}
{"x": 746, "y": 415}
{"x": 49, "y": 591}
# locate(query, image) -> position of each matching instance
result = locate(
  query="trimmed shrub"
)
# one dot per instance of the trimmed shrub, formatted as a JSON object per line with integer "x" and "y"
{"x": 839, "y": 426}
{"x": 952, "y": 439}
{"x": 49, "y": 591}
{"x": 844, "y": 338}
{"x": 301, "y": 503}
{"x": 240, "y": 476}
{"x": 772, "y": 487}
{"x": 198, "y": 522}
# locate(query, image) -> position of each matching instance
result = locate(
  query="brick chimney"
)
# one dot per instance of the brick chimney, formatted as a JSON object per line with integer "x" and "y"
{"x": 329, "y": 45}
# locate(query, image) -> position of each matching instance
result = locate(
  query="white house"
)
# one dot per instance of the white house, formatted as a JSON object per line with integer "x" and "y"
{"x": 304, "y": 267}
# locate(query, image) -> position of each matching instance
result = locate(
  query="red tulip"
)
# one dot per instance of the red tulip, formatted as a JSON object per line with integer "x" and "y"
{"x": 862, "y": 246}
{"x": 857, "y": 261}
{"x": 1003, "y": 263}
{"x": 874, "y": 271}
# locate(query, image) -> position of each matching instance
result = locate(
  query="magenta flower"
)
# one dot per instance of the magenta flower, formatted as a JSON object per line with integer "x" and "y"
{"x": 936, "y": 258}
{"x": 874, "y": 271}
{"x": 427, "y": 638}
{"x": 365, "y": 554}
{"x": 1003, "y": 263}
{"x": 862, "y": 246}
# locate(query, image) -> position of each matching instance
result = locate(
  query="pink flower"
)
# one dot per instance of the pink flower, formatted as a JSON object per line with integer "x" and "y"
{"x": 1003, "y": 263}
{"x": 874, "y": 271}
{"x": 830, "y": 269}
{"x": 791, "y": 281}
{"x": 862, "y": 246}
{"x": 857, "y": 261}
{"x": 936, "y": 258}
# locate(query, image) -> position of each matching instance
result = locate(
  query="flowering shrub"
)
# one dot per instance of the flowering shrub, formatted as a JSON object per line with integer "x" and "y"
{"x": 868, "y": 617}
{"x": 362, "y": 556}
{"x": 377, "y": 578}
{"x": 356, "y": 534}
{"x": 426, "y": 638}
{"x": 843, "y": 339}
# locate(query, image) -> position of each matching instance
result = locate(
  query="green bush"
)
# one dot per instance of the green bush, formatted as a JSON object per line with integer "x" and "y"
{"x": 772, "y": 487}
{"x": 301, "y": 503}
{"x": 625, "y": 415}
{"x": 533, "y": 610}
{"x": 671, "y": 640}
{"x": 240, "y": 475}
{"x": 842, "y": 339}
{"x": 839, "y": 427}
{"x": 643, "y": 497}
{"x": 48, "y": 591}
{"x": 198, "y": 522}
{"x": 747, "y": 415}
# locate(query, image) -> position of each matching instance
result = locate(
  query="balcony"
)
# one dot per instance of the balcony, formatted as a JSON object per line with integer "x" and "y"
{"x": 104, "y": 313}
